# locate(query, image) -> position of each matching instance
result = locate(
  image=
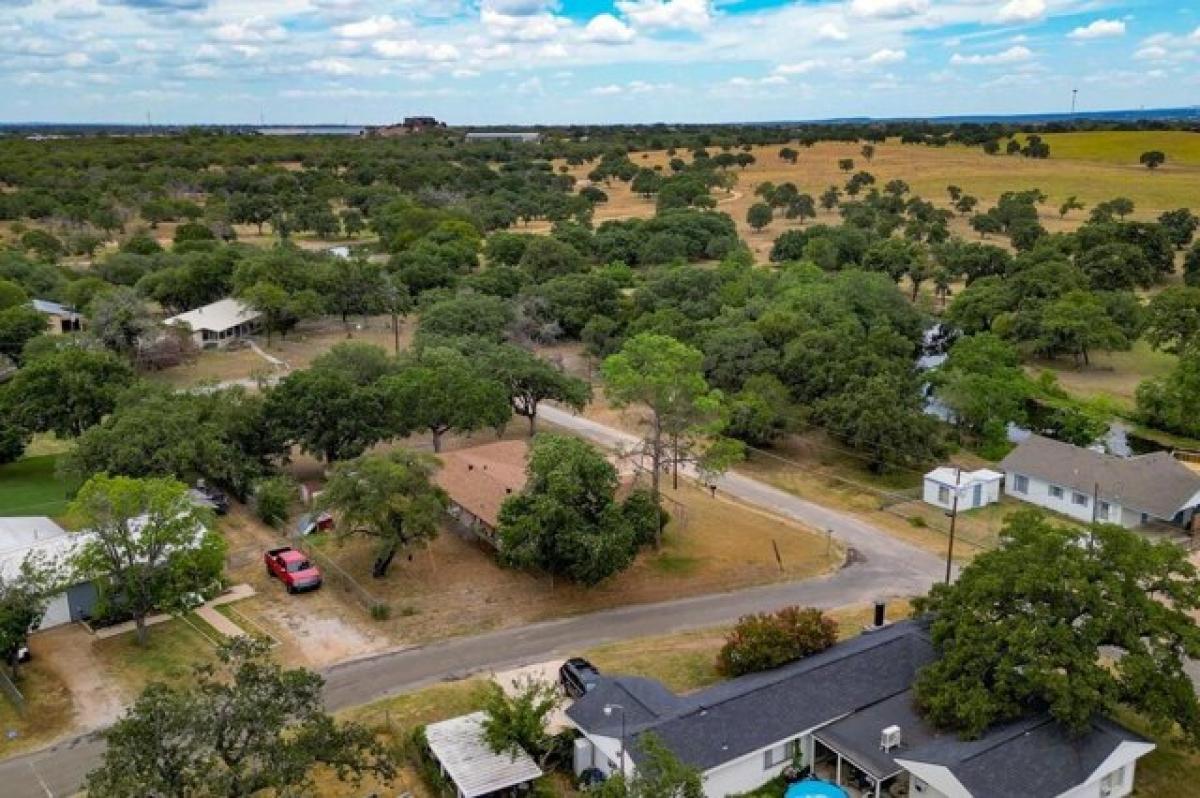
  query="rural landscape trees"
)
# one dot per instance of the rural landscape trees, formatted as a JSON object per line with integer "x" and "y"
{"x": 1051, "y": 601}
{"x": 242, "y": 727}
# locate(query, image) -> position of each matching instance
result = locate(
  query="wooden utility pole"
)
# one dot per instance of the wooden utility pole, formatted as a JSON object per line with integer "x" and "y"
{"x": 953, "y": 520}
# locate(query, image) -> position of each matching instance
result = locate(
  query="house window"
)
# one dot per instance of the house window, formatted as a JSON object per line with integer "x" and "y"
{"x": 1112, "y": 782}
{"x": 1056, "y": 492}
{"x": 943, "y": 494}
{"x": 773, "y": 757}
{"x": 1079, "y": 499}
{"x": 1021, "y": 483}
{"x": 1102, "y": 510}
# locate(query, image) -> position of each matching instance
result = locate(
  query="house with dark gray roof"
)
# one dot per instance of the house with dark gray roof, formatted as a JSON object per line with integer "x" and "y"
{"x": 1088, "y": 485}
{"x": 848, "y": 712}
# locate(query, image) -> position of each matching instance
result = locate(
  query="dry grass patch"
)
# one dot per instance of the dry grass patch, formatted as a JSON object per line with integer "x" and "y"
{"x": 48, "y": 711}
{"x": 1111, "y": 375}
{"x": 455, "y": 586}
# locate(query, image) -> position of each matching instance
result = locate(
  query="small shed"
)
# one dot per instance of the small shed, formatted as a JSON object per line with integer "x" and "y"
{"x": 975, "y": 488}
{"x": 39, "y": 536}
{"x": 60, "y": 318}
{"x": 465, "y": 757}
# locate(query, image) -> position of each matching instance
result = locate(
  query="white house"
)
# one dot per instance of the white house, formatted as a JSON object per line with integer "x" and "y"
{"x": 975, "y": 488}
{"x": 849, "y": 712}
{"x": 1093, "y": 486}
{"x": 216, "y": 324}
{"x": 22, "y": 537}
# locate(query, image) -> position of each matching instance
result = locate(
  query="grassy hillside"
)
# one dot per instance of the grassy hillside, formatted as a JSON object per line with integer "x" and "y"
{"x": 1124, "y": 147}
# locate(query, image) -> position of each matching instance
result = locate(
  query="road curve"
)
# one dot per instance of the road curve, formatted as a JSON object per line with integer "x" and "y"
{"x": 883, "y": 567}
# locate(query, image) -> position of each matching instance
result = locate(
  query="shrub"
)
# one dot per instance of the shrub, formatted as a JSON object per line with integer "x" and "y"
{"x": 272, "y": 498}
{"x": 768, "y": 640}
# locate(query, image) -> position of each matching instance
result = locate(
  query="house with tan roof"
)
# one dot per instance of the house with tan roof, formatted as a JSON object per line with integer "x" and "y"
{"x": 479, "y": 479}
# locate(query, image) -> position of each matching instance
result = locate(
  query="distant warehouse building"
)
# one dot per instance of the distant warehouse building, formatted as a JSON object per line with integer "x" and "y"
{"x": 506, "y": 135}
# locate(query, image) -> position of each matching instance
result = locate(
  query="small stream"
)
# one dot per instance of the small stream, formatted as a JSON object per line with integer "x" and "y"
{"x": 1119, "y": 440}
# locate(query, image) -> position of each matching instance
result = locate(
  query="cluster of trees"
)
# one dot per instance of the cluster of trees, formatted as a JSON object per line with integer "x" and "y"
{"x": 567, "y": 521}
{"x": 1125, "y": 602}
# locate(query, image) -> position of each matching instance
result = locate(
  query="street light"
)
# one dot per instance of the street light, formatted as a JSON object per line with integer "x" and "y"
{"x": 608, "y": 710}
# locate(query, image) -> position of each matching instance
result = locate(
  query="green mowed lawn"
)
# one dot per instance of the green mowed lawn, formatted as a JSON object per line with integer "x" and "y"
{"x": 1125, "y": 146}
{"x": 29, "y": 487}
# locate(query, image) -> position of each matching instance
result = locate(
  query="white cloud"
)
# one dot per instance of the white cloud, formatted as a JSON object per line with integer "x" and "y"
{"x": 831, "y": 32}
{"x": 369, "y": 28}
{"x": 76, "y": 60}
{"x": 411, "y": 50}
{"x": 78, "y": 9}
{"x": 886, "y": 56}
{"x": 800, "y": 67}
{"x": 1195, "y": 35}
{"x": 1154, "y": 52}
{"x": 888, "y": 9}
{"x": 1099, "y": 29}
{"x": 463, "y": 74}
{"x": 554, "y": 50}
{"x": 251, "y": 29}
{"x": 518, "y": 8}
{"x": 1022, "y": 11}
{"x": 331, "y": 66}
{"x": 691, "y": 15}
{"x": 633, "y": 87}
{"x": 607, "y": 29}
{"x": 602, "y": 91}
{"x": 1013, "y": 55}
{"x": 521, "y": 28}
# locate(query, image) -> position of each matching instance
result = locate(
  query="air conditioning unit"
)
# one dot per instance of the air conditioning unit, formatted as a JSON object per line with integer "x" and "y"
{"x": 890, "y": 738}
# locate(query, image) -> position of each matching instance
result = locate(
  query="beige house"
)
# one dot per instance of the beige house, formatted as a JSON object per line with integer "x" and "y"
{"x": 215, "y": 325}
{"x": 60, "y": 318}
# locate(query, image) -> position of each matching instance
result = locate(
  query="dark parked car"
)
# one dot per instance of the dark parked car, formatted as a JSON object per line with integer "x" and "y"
{"x": 209, "y": 496}
{"x": 578, "y": 676}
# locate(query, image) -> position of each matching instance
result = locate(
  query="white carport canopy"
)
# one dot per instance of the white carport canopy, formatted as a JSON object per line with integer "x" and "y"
{"x": 459, "y": 746}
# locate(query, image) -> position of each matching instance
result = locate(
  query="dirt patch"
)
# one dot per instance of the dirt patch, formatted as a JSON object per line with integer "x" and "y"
{"x": 313, "y": 629}
{"x": 70, "y": 652}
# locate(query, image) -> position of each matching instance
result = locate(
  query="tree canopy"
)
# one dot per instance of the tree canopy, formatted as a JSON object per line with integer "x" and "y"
{"x": 1031, "y": 626}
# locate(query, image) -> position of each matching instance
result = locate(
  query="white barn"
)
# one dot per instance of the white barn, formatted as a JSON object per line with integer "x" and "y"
{"x": 216, "y": 324}
{"x": 1088, "y": 485}
{"x": 975, "y": 488}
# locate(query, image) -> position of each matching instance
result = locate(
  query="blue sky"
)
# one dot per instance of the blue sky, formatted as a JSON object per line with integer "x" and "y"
{"x": 555, "y": 61}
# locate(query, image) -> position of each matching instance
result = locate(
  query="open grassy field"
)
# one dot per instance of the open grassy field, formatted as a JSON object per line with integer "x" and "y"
{"x": 1113, "y": 376}
{"x": 1181, "y": 147}
{"x": 29, "y": 487}
{"x": 929, "y": 170}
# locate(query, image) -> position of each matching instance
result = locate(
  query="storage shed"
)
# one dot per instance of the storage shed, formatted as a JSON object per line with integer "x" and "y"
{"x": 975, "y": 488}
{"x": 469, "y": 762}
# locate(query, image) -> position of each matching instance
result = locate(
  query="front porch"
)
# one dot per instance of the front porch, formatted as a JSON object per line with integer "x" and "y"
{"x": 858, "y": 781}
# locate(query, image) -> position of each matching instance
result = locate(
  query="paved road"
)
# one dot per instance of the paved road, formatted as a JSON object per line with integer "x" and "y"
{"x": 885, "y": 567}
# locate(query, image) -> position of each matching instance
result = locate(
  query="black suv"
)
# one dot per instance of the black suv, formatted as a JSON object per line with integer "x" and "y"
{"x": 210, "y": 496}
{"x": 578, "y": 676}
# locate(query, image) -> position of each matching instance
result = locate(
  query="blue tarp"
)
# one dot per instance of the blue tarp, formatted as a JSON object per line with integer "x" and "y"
{"x": 814, "y": 788}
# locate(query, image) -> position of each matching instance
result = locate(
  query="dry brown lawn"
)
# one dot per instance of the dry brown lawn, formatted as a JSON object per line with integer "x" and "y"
{"x": 454, "y": 586}
{"x": 48, "y": 711}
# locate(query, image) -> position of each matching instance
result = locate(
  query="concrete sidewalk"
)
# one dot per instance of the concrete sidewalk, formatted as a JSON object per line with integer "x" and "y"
{"x": 235, "y": 593}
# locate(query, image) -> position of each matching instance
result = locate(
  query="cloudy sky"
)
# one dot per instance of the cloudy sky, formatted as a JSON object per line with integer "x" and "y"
{"x": 530, "y": 61}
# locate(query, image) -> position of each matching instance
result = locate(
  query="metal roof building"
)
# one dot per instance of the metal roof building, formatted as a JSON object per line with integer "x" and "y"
{"x": 466, "y": 758}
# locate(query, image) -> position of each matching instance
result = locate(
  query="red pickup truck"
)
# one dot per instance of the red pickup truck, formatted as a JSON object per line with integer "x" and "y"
{"x": 293, "y": 568}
